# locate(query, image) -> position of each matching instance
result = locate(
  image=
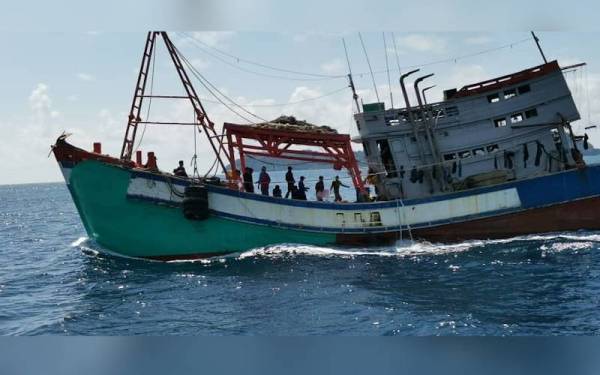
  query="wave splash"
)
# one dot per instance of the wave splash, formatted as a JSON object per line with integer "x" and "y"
{"x": 549, "y": 243}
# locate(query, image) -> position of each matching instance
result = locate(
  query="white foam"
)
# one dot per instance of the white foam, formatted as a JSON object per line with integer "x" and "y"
{"x": 79, "y": 241}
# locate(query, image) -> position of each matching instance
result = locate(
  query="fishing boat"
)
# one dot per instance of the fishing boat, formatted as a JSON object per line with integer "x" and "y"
{"x": 493, "y": 159}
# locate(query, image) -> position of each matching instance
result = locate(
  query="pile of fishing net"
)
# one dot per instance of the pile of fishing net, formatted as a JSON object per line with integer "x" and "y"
{"x": 290, "y": 123}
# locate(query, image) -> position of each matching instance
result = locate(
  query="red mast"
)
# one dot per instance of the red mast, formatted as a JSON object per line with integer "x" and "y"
{"x": 191, "y": 95}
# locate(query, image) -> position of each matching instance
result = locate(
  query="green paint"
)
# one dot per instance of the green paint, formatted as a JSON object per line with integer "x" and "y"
{"x": 144, "y": 229}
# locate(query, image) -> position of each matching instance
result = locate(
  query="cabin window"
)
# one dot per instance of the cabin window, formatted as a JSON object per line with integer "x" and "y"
{"x": 385, "y": 153}
{"x": 465, "y": 154}
{"x": 492, "y": 148}
{"x": 500, "y": 122}
{"x": 478, "y": 151}
{"x": 493, "y": 98}
{"x": 524, "y": 89}
{"x": 393, "y": 122}
{"x": 510, "y": 93}
{"x": 358, "y": 217}
{"x": 375, "y": 218}
{"x": 531, "y": 113}
{"x": 516, "y": 117}
{"x": 448, "y": 157}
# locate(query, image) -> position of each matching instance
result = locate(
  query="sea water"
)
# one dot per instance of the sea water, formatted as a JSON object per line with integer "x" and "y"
{"x": 53, "y": 280}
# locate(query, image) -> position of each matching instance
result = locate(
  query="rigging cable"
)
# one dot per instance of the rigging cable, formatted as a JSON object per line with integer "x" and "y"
{"x": 396, "y": 52}
{"x": 239, "y": 59}
{"x": 288, "y": 103}
{"x": 326, "y": 76}
{"x": 321, "y": 78}
{"x": 387, "y": 68}
{"x": 201, "y": 78}
{"x": 198, "y": 75}
{"x": 369, "y": 63}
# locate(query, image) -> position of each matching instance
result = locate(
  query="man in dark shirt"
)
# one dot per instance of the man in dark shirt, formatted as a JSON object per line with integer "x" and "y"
{"x": 302, "y": 189}
{"x": 335, "y": 186}
{"x": 289, "y": 178}
{"x": 320, "y": 188}
{"x": 180, "y": 171}
{"x": 248, "y": 182}
{"x": 263, "y": 181}
{"x": 277, "y": 192}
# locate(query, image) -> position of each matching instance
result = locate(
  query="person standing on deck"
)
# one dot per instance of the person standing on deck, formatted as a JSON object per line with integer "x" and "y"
{"x": 320, "y": 189}
{"x": 180, "y": 171}
{"x": 289, "y": 178}
{"x": 302, "y": 189}
{"x": 248, "y": 182}
{"x": 263, "y": 181}
{"x": 335, "y": 186}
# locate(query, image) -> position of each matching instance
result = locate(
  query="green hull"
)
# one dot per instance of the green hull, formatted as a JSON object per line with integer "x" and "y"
{"x": 143, "y": 229}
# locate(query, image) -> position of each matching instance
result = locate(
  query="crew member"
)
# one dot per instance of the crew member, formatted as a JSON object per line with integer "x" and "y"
{"x": 302, "y": 189}
{"x": 277, "y": 192}
{"x": 335, "y": 186}
{"x": 263, "y": 181}
{"x": 289, "y": 178}
{"x": 320, "y": 189}
{"x": 180, "y": 171}
{"x": 248, "y": 182}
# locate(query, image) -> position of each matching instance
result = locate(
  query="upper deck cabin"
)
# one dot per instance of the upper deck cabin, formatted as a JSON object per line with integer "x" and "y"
{"x": 511, "y": 127}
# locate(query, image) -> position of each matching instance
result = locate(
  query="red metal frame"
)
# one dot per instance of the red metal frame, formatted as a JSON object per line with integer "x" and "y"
{"x": 139, "y": 95}
{"x": 336, "y": 148}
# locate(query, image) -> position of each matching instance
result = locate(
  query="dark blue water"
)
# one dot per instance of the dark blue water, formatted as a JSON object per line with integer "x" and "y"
{"x": 53, "y": 281}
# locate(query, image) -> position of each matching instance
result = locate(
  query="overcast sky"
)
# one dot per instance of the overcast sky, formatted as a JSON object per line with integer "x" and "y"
{"x": 82, "y": 83}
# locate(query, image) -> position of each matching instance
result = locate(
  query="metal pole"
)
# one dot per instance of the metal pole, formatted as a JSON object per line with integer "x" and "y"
{"x": 413, "y": 123}
{"x": 430, "y": 139}
{"x": 537, "y": 42}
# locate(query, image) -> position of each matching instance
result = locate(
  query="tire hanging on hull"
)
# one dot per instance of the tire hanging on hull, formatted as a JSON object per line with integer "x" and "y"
{"x": 195, "y": 203}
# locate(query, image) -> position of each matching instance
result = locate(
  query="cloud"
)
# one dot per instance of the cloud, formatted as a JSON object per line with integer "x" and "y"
{"x": 213, "y": 38}
{"x": 41, "y": 104}
{"x": 335, "y": 66}
{"x": 462, "y": 75}
{"x": 478, "y": 40}
{"x": 199, "y": 63}
{"x": 422, "y": 43}
{"x": 86, "y": 77}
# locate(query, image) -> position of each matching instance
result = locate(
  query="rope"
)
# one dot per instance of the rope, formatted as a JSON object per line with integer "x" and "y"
{"x": 382, "y": 71}
{"x": 288, "y": 103}
{"x": 321, "y": 77}
{"x": 369, "y": 64}
{"x": 396, "y": 52}
{"x": 198, "y": 75}
{"x": 203, "y": 80}
{"x": 387, "y": 68}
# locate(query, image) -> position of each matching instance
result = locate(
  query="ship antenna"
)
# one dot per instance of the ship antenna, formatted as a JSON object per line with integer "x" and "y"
{"x": 387, "y": 69}
{"x": 369, "y": 64}
{"x": 354, "y": 95}
{"x": 537, "y": 43}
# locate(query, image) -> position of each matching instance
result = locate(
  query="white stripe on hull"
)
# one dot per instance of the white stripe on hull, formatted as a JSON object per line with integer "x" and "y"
{"x": 413, "y": 215}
